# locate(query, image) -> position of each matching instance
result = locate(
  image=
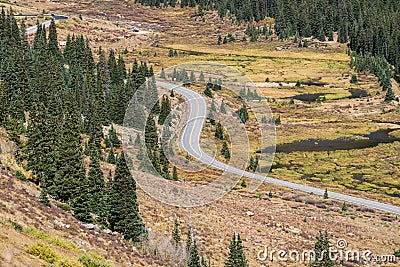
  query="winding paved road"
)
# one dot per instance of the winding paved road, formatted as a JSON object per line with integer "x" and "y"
{"x": 45, "y": 24}
{"x": 190, "y": 142}
{"x": 191, "y": 137}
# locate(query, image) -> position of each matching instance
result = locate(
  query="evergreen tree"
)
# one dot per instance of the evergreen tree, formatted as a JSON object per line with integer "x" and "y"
{"x": 137, "y": 139}
{"x": 201, "y": 77}
{"x": 194, "y": 258}
{"x": 162, "y": 75}
{"x": 354, "y": 79}
{"x": 204, "y": 262}
{"x": 321, "y": 249}
{"x": 176, "y": 236}
{"x": 219, "y": 131}
{"x": 96, "y": 186}
{"x": 253, "y": 163}
{"x": 192, "y": 77}
{"x": 390, "y": 95}
{"x": 71, "y": 169}
{"x": 278, "y": 120}
{"x": 113, "y": 137}
{"x": 43, "y": 140}
{"x": 344, "y": 207}
{"x": 43, "y": 198}
{"x": 225, "y": 150}
{"x": 151, "y": 135}
{"x": 81, "y": 202}
{"x": 236, "y": 256}
{"x": 123, "y": 215}
{"x": 189, "y": 240}
{"x": 175, "y": 174}
{"x": 111, "y": 156}
{"x": 222, "y": 108}
{"x": 243, "y": 115}
{"x": 165, "y": 110}
{"x": 211, "y": 117}
{"x": 53, "y": 42}
{"x": 326, "y": 194}
{"x": 219, "y": 40}
{"x": 208, "y": 92}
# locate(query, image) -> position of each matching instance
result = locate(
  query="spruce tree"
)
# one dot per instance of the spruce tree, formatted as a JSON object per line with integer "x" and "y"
{"x": 175, "y": 174}
{"x": 137, "y": 139}
{"x": 96, "y": 185}
{"x": 43, "y": 198}
{"x": 111, "y": 156}
{"x": 53, "y": 42}
{"x": 204, "y": 262}
{"x": 71, "y": 169}
{"x": 213, "y": 107}
{"x": 165, "y": 110}
{"x": 192, "y": 77}
{"x": 243, "y": 115}
{"x": 176, "y": 235}
{"x": 219, "y": 131}
{"x": 344, "y": 207}
{"x": 201, "y": 77}
{"x": 80, "y": 204}
{"x": 43, "y": 140}
{"x": 208, "y": 92}
{"x": 219, "y": 40}
{"x": 390, "y": 96}
{"x": 123, "y": 215}
{"x": 321, "y": 249}
{"x": 151, "y": 135}
{"x": 354, "y": 79}
{"x": 236, "y": 256}
{"x": 225, "y": 150}
{"x": 194, "y": 258}
{"x": 326, "y": 194}
{"x": 162, "y": 74}
{"x": 113, "y": 137}
{"x": 222, "y": 108}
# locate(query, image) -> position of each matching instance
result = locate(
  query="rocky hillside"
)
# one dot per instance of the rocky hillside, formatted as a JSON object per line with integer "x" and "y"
{"x": 32, "y": 234}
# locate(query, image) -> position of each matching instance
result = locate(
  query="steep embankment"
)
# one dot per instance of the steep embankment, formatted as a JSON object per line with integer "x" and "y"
{"x": 32, "y": 234}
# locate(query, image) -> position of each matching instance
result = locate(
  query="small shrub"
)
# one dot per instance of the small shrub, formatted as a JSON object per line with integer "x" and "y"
{"x": 51, "y": 239}
{"x": 91, "y": 259}
{"x": 63, "y": 206}
{"x": 15, "y": 225}
{"x": 44, "y": 252}
{"x": 20, "y": 176}
{"x": 354, "y": 79}
{"x": 68, "y": 263}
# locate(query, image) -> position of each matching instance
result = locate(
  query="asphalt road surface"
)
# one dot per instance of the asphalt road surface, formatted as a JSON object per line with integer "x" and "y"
{"x": 46, "y": 24}
{"x": 190, "y": 142}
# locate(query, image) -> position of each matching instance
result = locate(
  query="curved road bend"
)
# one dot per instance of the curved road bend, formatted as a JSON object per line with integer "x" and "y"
{"x": 190, "y": 142}
{"x": 191, "y": 137}
{"x": 46, "y": 24}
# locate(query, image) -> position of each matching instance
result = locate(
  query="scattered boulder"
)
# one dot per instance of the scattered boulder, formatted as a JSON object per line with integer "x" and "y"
{"x": 91, "y": 226}
{"x": 249, "y": 213}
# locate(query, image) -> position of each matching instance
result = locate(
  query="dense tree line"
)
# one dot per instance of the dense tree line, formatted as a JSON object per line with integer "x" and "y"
{"x": 377, "y": 65}
{"x": 54, "y": 98}
{"x": 370, "y": 26}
